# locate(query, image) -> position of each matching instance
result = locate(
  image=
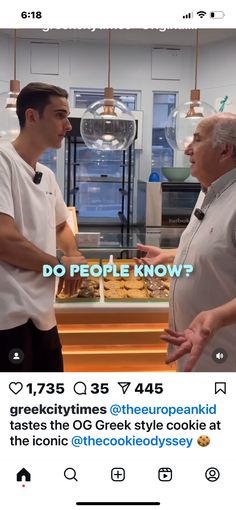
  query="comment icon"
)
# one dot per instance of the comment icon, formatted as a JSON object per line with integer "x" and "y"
{"x": 80, "y": 388}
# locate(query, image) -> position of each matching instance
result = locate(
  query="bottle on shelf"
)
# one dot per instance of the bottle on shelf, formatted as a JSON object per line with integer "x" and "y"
{"x": 154, "y": 176}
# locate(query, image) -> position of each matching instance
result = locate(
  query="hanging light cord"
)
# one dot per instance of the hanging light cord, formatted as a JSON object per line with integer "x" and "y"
{"x": 14, "y": 54}
{"x": 196, "y": 58}
{"x": 109, "y": 57}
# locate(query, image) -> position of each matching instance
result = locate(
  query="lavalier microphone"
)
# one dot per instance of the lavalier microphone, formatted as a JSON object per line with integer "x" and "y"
{"x": 199, "y": 214}
{"x": 37, "y": 177}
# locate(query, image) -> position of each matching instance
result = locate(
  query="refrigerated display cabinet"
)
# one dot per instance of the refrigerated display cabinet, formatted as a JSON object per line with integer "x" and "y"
{"x": 120, "y": 335}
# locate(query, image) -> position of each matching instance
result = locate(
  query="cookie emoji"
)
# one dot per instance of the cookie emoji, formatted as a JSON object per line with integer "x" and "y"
{"x": 203, "y": 440}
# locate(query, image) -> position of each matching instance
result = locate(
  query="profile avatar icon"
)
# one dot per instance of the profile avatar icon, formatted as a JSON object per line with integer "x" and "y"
{"x": 16, "y": 356}
{"x": 212, "y": 474}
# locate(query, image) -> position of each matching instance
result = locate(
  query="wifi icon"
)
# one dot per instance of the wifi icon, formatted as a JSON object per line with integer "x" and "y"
{"x": 201, "y": 14}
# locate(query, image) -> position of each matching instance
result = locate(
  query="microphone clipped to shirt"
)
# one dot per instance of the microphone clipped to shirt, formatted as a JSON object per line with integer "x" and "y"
{"x": 37, "y": 177}
{"x": 199, "y": 214}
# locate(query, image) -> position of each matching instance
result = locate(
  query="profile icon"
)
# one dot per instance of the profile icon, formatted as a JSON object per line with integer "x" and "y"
{"x": 16, "y": 356}
{"x": 212, "y": 474}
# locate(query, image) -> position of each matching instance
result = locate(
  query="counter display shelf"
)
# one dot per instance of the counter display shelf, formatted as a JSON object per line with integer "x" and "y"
{"x": 113, "y": 336}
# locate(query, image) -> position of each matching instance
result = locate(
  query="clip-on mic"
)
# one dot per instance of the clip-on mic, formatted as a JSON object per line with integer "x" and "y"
{"x": 199, "y": 214}
{"x": 37, "y": 178}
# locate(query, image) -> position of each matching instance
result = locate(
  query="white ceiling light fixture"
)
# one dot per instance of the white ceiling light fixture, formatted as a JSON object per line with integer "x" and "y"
{"x": 183, "y": 120}
{"x": 108, "y": 124}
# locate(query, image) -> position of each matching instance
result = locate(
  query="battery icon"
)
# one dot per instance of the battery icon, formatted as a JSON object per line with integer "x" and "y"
{"x": 217, "y": 14}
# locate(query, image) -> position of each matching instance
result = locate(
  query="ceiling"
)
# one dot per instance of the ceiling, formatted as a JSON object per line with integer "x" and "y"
{"x": 142, "y": 37}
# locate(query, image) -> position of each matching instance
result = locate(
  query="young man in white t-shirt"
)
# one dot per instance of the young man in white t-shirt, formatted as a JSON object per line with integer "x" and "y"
{"x": 33, "y": 223}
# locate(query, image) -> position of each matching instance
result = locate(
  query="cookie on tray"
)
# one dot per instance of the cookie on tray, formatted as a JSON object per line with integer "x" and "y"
{"x": 86, "y": 293}
{"x": 114, "y": 284}
{"x": 110, "y": 278}
{"x": 136, "y": 294}
{"x": 159, "y": 294}
{"x": 167, "y": 284}
{"x": 94, "y": 283}
{"x": 134, "y": 284}
{"x": 115, "y": 294}
{"x": 156, "y": 284}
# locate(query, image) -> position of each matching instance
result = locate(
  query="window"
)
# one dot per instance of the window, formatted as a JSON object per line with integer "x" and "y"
{"x": 82, "y": 98}
{"x": 98, "y": 174}
{"x": 49, "y": 158}
{"x": 162, "y": 153}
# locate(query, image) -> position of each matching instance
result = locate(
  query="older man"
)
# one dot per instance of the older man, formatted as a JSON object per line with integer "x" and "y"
{"x": 202, "y": 306}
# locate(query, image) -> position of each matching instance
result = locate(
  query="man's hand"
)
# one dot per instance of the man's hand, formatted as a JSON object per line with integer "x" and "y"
{"x": 193, "y": 339}
{"x": 155, "y": 256}
{"x": 70, "y": 284}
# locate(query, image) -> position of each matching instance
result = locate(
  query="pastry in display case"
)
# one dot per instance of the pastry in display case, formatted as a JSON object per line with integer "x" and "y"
{"x": 124, "y": 288}
{"x": 116, "y": 326}
{"x": 158, "y": 288}
{"x": 111, "y": 288}
{"x": 89, "y": 289}
{"x": 134, "y": 287}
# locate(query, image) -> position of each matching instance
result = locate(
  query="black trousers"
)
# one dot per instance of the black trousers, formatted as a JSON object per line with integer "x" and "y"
{"x": 42, "y": 349}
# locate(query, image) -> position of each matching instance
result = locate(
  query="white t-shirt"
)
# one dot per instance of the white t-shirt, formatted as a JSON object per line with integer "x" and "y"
{"x": 36, "y": 209}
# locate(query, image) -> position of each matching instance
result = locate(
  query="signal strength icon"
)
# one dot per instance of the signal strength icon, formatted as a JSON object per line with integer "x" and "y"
{"x": 201, "y": 14}
{"x": 189, "y": 15}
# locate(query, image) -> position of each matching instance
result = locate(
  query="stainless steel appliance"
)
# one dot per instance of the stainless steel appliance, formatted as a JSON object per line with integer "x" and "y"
{"x": 166, "y": 203}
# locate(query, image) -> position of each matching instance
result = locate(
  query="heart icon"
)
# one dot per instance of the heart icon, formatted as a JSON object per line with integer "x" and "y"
{"x": 15, "y": 387}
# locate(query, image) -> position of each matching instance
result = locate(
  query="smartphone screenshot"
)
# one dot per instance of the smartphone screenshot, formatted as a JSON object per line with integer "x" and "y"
{"x": 117, "y": 256}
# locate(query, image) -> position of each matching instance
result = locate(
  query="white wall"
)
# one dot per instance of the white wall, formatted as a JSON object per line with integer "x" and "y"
{"x": 84, "y": 65}
{"x": 217, "y": 70}
{"x": 5, "y": 67}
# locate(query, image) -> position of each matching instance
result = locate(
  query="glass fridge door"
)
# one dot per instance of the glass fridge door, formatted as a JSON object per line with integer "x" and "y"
{"x": 97, "y": 183}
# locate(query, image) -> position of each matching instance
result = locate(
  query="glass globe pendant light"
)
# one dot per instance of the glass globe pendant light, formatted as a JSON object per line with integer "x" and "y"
{"x": 9, "y": 124}
{"x": 182, "y": 121}
{"x": 108, "y": 124}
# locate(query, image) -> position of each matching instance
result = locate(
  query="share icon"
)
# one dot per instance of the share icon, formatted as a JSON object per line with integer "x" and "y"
{"x": 124, "y": 386}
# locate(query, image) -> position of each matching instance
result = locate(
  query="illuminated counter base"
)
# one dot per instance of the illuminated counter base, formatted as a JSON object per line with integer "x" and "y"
{"x": 113, "y": 337}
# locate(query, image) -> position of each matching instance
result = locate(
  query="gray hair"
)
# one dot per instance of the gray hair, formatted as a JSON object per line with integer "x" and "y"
{"x": 224, "y": 131}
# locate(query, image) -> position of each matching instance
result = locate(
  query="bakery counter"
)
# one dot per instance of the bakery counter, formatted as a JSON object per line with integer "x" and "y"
{"x": 116, "y": 307}
{"x": 116, "y": 325}
{"x": 113, "y": 336}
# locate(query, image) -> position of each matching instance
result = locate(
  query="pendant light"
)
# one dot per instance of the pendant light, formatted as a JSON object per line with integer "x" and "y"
{"x": 14, "y": 84}
{"x": 108, "y": 124}
{"x": 183, "y": 120}
{"x": 9, "y": 124}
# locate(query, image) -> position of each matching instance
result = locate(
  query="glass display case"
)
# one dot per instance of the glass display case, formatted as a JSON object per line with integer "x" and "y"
{"x": 124, "y": 245}
{"x": 109, "y": 334}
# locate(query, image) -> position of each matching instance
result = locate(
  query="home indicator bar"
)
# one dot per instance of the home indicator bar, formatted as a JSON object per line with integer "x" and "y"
{"x": 122, "y": 504}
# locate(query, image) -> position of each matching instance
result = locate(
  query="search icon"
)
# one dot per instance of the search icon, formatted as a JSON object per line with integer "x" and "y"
{"x": 70, "y": 474}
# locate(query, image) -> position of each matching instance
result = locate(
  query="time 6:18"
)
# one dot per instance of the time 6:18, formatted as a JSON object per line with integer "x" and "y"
{"x": 46, "y": 387}
{"x": 32, "y": 14}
